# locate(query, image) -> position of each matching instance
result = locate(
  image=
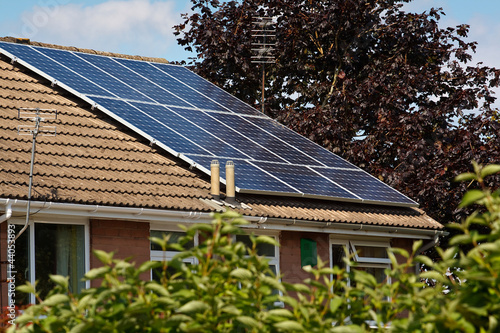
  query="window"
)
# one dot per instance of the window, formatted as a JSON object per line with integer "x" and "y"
{"x": 50, "y": 248}
{"x": 157, "y": 253}
{"x": 270, "y": 252}
{"x": 371, "y": 256}
{"x": 265, "y": 250}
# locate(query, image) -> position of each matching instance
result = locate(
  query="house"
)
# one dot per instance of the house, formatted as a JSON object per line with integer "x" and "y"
{"x": 100, "y": 182}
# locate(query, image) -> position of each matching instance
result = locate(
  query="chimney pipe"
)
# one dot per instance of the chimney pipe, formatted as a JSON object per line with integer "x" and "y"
{"x": 230, "y": 187}
{"x": 215, "y": 178}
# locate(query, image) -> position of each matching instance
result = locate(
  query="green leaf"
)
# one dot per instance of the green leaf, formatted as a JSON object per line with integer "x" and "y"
{"x": 416, "y": 245}
{"x": 177, "y": 319}
{"x": 27, "y": 288}
{"x": 56, "y": 299}
{"x": 365, "y": 278}
{"x": 468, "y": 176}
{"x": 241, "y": 274}
{"x": 434, "y": 276}
{"x": 97, "y": 273}
{"x": 289, "y": 325}
{"x": 159, "y": 241}
{"x": 490, "y": 169}
{"x": 231, "y": 309}
{"x": 103, "y": 256}
{"x": 299, "y": 287}
{"x": 60, "y": 280}
{"x": 348, "y": 329}
{"x": 157, "y": 289}
{"x": 229, "y": 229}
{"x": 425, "y": 260}
{"x": 266, "y": 240}
{"x": 79, "y": 328}
{"x": 471, "y": 197}
{"x": 24, "y": 319}
{"x": 335, "y": 304}
{"x": 248, "y": 321}
{"x": 193, "y": 306}
{"x": 149, "y": 265}
{"x": 281, "y": 313}
{"x": 230, "y": 214}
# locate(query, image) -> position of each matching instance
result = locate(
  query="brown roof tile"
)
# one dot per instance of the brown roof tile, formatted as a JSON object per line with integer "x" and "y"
{"x": 95, "y": 160}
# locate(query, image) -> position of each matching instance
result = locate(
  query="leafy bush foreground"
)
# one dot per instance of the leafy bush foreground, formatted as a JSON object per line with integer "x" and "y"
{"x": 231, "y": 289}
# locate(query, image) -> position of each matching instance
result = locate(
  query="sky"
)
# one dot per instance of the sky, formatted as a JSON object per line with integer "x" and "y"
{"x": 144, "y": 27}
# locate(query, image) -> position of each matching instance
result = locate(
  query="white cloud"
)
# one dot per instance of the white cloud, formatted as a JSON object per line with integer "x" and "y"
{"x": 127, "y": 26}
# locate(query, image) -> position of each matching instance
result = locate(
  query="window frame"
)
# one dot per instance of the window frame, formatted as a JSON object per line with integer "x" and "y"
{"x": 30, "y": 231}
{"x": 157, "y": 255}
{"x": 270, "y": 233}
{"x": 368, "y": 262}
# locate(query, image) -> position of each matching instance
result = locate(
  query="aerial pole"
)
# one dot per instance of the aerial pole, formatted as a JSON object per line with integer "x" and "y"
{"x": 264, "y": 41}
{"x": 37, "y": 115}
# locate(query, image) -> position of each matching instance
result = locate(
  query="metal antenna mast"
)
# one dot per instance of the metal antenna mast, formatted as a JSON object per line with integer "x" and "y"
{"x": 37, "y": 115}
{"x": 264, "y": 41}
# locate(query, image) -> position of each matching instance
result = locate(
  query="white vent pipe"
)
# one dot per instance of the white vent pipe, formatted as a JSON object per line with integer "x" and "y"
{"x": 215, "y": 178}
{"x": 230, "y": 186}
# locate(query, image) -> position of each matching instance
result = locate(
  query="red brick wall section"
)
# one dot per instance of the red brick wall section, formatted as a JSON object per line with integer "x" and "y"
{"x": 402, "y": 243}
{"x": 290, "y": 265}
{"x": 124, "y": 238}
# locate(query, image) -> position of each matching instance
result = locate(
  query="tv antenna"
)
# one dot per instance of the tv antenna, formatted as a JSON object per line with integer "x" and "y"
{"x": 37, "y": 115}
{"x": 263, "y": 46}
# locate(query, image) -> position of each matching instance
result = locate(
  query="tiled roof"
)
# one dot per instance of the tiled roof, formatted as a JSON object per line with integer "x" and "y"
{"x": 95, "y": 160}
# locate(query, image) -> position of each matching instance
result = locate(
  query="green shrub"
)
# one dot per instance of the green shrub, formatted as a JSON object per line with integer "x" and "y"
{"x": 231, "y": 289}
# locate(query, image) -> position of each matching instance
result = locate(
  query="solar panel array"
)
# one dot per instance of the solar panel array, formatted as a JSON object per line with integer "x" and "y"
{"x": 198, "y": 122}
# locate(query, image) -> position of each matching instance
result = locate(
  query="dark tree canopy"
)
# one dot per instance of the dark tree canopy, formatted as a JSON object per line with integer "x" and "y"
{"x": 388, "y": 90}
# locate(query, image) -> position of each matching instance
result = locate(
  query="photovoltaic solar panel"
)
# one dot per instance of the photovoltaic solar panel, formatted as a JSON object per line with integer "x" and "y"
{"x": 199, "y": 122}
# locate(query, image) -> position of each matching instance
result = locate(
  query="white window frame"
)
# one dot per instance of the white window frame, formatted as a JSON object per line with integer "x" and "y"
{"x": 368, "y": 262}
{"x": 355, "y": 243}
{"x": 157, "y": 255}
{"x": 30, "y": 231}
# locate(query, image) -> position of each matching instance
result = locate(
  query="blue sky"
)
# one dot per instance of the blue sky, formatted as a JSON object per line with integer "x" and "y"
{"x": 144, "y": 27}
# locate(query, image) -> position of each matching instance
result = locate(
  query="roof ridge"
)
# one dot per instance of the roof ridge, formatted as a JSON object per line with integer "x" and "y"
{"x": 10, "y": 39}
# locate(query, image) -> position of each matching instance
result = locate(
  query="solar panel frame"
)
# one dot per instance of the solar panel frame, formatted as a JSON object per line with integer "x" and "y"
{"x": 273, "y": 174}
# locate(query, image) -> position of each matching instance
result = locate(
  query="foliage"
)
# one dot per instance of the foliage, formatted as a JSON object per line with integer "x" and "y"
{"x": 231, "y": 289}
{"x": 389, "y": 90}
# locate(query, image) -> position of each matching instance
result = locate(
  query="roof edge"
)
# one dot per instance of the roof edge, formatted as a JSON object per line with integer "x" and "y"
{"x": 168, "y": 216}
{"x": 27, "y": 41}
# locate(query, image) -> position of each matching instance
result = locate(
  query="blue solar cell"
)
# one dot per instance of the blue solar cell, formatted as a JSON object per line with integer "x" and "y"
{"x": 54, "y": 69}
{"x": 305, "y": 180}
{"x": 103, "y": 79}
{"x": 173, "y": 85}
{"x": 308, "y": 147}
{"x": 230, "y": 136}
{"x": 247, "y": 176}
{"x": 365, "y": 185}
{"x": 160, "y": 132}
{"x": 208, "y": 89}
{"x": 140, "y": 83}
{"x": 204, "y": 138}
{"x": 272, "y": 143}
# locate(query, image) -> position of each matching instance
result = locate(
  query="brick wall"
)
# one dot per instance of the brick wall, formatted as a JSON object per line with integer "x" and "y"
{"x": 124, "y": 238}
{"x": 290, "y": 264}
